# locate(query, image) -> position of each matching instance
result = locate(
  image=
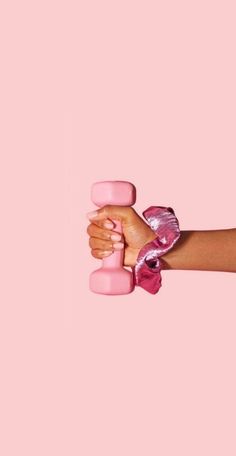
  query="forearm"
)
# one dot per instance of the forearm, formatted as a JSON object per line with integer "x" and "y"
{"x": 213, "y": 250}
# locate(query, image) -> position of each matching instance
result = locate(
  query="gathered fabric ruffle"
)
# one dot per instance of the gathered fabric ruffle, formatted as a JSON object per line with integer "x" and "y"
{"x": 147, "y": 270}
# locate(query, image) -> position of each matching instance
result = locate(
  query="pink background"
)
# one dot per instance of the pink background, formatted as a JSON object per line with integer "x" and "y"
{"x": 141, "y": 91}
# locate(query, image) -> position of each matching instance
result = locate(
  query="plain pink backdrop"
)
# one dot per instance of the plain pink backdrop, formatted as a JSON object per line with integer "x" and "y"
{"x": 138, "y": 91}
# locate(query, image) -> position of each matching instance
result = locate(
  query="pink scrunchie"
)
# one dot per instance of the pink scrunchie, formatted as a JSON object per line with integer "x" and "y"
{"x": 147, "y": 270}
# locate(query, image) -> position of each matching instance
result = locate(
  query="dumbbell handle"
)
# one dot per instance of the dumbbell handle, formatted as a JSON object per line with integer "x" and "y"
{"x": 116, "y": 259}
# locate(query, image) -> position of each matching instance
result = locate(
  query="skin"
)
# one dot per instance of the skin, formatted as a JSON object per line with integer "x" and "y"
{"x": 212, "y": 250}
{"x": 136, "y": 233}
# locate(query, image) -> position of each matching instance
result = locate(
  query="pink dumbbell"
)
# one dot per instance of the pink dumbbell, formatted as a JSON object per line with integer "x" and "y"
{"x": 112, "y": 278}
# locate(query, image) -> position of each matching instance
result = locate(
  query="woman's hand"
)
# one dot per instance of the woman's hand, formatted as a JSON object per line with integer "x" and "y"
{"x": 103, "y": 240}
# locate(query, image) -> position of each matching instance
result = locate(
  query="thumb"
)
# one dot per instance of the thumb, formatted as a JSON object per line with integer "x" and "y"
{"x": 122, "y": 213}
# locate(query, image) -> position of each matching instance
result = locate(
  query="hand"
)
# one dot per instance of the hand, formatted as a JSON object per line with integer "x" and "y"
{"x": 136, "y": 233}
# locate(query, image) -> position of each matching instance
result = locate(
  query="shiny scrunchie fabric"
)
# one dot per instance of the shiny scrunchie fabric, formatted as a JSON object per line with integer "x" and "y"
{"x": 147, "y": 270}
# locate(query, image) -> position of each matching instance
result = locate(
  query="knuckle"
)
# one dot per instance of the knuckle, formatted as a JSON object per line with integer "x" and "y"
{"x": 107, "y": 245}
{"x": 94, "y": 253}
{"x": 91, "y": 242}
{"x": 89, "y": 229}
{"x": 97, "y": 253}
{"x": 106, "y": 235}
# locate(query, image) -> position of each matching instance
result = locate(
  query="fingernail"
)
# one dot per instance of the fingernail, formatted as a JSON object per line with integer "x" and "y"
{"x": 118, "y": 245}
{"x": 115, "y": 237}
{"x": 106, "y": 253}
{"x": 108, "y": 225}
{"x": 92, "y": 214}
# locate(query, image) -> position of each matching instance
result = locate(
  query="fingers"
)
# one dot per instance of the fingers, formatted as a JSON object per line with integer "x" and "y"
{"x": 100, "y": 253}
{"x": 101, "y": 241}
{"x": 122, "y": 213}
{"x": 100, "y": 244}
{"x": 101, "y": 233}
{"x": 103, "y": 223}
{"x": 104, "y": 242}
{"x": 108, "y": 250}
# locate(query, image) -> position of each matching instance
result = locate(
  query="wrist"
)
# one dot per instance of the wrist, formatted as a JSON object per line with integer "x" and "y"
{"x": 177, "y": 257}
{"x": 169, "y": 260}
